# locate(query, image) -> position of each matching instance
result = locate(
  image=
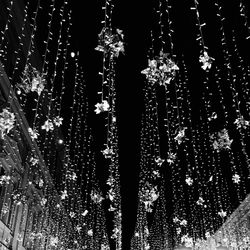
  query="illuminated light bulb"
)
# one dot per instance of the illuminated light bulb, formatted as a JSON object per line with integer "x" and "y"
{"x": 72, "y": 54}
{"x": 60, "y": 141}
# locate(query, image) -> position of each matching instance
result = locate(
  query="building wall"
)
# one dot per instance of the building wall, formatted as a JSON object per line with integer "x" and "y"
{"x": 25, "y": 222}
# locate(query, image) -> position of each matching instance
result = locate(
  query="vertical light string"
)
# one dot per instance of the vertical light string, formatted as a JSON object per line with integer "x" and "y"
{"x": 21, "y": 37}
{"x": 65, "y": 61}
{"x": 231, "y": 79}
{"x": 243, "y": 14}
{"x": 69, "y": 137}
{"x": 3, "y": 47}
{"x": 199, "y": 24}
{"x": 30, "y": 50}
{"x": 48, "y": 141}
{"x": 108, "y": 95}
{"x": 44, "y": 70}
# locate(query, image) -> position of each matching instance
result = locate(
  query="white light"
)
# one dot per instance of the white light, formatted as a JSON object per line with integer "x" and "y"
{"x": 72, "y": 54}
{"x": 60, "y": 141}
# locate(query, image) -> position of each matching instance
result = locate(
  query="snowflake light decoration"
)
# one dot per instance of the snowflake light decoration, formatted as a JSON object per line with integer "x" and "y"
{"x": 241, "y": 123}
{"x": 189, "y": 181}
{"x": 149, "y": 195}
{"x": 200, "y": 201}
{"x": 183, "y": 222}
{"x": 222, "y": 213}
{"x": 57, "y": 121}
{"x": 5, "y": 179}
{"x": 72, "y": 214}
{"x": 212, "y": 117}
{"x": 104, "y": 247}
{"x": 33, "y": 133}
{"x": 96, "y": 197}
{"x": 115, "y": 234}
{"x": 90, "y": 232}
{"x": 43, "y": 202}
{"x": 236, "y": 178}
{"x": 64, "y": 195}
{"x": 110, "y": 42}
{"x": 7, "y": 120}
{"x": 206, "y": 61}
{"x": 48, "y": 125}
{"x": 171, "y": 158}
{"x": 34, "y": 161}
{"x": 78, "y": 228}
{"x": 85, "y": 213}
{"x": 161, "y": 70}
{"x": 188, "y": 241}
{"x": 180, "y": 137}
{"x": 107, "y": 152}
{"x": 40, "y": 183}
{"x": 32, "y": 80}
{"x": 72, "y": 176}
{"x": 102, "y": 107}
{"x": 221, "y": 140}
{"x": 159, "y": 161}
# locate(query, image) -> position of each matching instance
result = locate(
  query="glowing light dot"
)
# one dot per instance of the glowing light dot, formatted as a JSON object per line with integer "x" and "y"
{"x": 60, "y": 141}
{"x": 72, "y": 54}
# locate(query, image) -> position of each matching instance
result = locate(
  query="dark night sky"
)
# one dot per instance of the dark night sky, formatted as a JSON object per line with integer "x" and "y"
{"x": 136, "y": 19}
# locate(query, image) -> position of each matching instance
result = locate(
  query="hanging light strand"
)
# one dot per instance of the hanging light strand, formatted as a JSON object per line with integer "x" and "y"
{"x": 3, "y": 48}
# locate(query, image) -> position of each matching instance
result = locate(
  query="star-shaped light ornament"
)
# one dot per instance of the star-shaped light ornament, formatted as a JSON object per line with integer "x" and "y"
{"x": 213, "y": 116}
{"x": 222, "y": 213}
{"x": 189, "y": 181}
{"x": 85, "y": 213}
{"x": 43, "y": 202}
{"x": 33, "y": 133}
{"x": 206, "y": 61}
{"x": 102, "y": 107}
{"x": 115, "y": 234}
{"x": 96, "y": 197}
{"x": 171, "y": 158}
{"x": 7, "y": 120}
{"x": 221, "y": 140}
{"x": 90, "y": 232}
{"x": 5, "y": 179}
{"x": 176, "y": 219}
{"x": 200, "y": 202}
{"x": 161, "y": 70}
{"x": 241, "y": 123}
{"x": 72, "y": 214}
{"x": 64, "y": 195}
{"x": 187, "y": 240}
{"x": 147, "y": 246}
{"x": 180, "y": 137}
{"x": 48, "y": 126}
{"x": 40, "y": 183}
{"x": 149, "y": 195}
{"x": 183, "y": 222}
{"x": 38, "y": 83}
{"x": 34, "y": 161}
{"x": 78, "y": 228}
{"x": 236, "y": 178}
{"x": 111, "y": 42}
{"x": 108, "y": 152}
{"x": 57, "y": 121}
{"x": 104, "y": 247}
{"x": 159, "y": 161}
